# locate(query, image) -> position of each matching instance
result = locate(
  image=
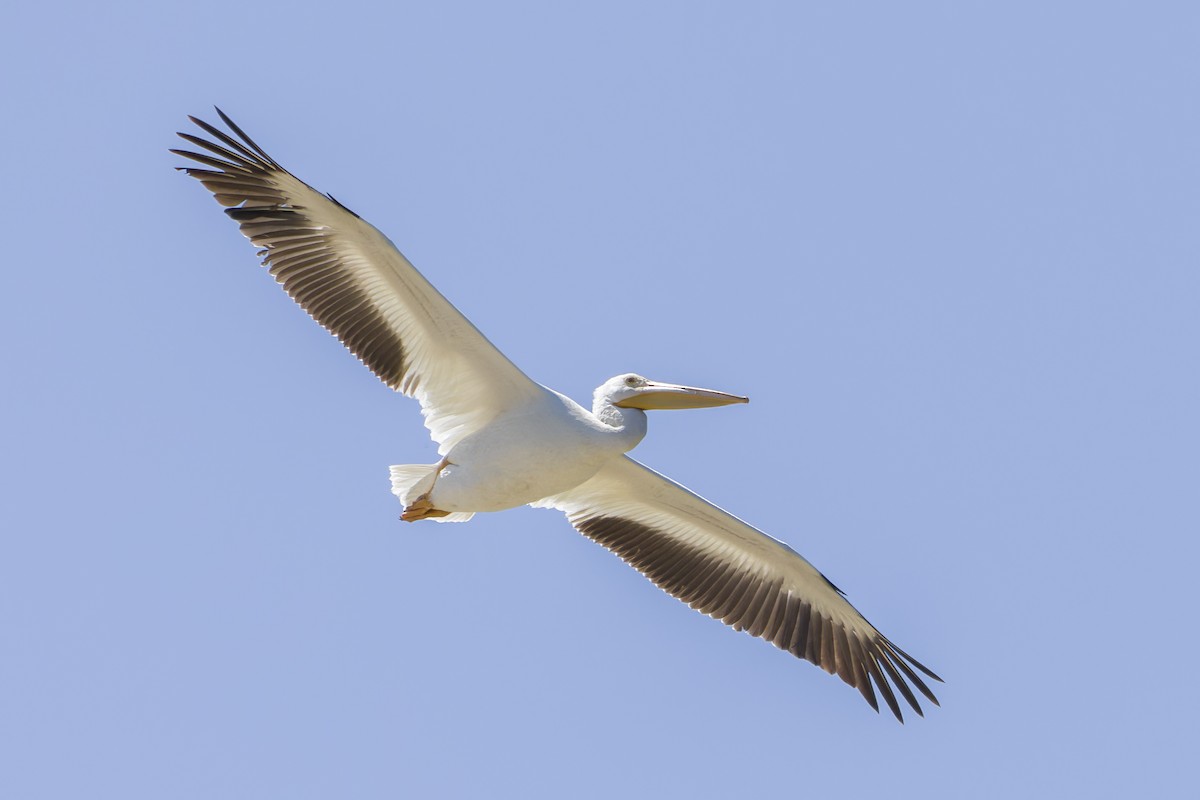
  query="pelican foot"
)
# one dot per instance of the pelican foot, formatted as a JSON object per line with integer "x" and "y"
{"x": 421, "y": 508}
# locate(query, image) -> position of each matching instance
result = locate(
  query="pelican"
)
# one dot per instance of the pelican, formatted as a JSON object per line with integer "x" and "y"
{"x": 506, "y": 441}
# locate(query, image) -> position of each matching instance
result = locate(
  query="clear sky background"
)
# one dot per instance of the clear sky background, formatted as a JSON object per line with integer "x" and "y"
{"x": 948, "y": 249}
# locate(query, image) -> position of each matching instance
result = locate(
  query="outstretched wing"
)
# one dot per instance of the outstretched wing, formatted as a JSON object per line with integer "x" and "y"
{"x": 356, "y": 284}
{"x": 721, "y": 566}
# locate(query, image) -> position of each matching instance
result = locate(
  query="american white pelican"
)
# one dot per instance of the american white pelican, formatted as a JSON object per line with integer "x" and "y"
{"x": 505, "y": 441}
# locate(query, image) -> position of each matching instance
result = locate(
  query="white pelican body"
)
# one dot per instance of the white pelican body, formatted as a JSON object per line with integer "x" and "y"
{"x": 506, "y": 441}
{"x": 540, "y": 449}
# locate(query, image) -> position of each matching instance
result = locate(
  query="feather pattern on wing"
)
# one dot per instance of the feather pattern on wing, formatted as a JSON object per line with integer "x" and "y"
{"x": 727, "y": 569}
{"x": 356, "y": 284}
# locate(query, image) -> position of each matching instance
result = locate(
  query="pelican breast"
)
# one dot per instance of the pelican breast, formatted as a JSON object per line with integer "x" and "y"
{"x": 527, "y": 453}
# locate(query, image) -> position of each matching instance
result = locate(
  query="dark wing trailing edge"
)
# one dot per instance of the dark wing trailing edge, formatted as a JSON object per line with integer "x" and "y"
{"x": 726, "y": 569}
{"x": 356, "y": 284}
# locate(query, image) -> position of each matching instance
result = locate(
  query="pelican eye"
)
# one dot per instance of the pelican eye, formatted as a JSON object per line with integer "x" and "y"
{"x": 632, "y": 381}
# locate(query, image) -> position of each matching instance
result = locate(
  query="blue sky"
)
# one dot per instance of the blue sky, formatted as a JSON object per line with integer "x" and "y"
{"x": 948, "y": 249}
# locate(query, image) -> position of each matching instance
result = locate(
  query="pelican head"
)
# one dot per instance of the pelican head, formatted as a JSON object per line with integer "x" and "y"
{"x": 634, "y": 391}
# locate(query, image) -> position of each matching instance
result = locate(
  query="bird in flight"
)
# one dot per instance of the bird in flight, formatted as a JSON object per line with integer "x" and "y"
{"x": 506, "y": 441}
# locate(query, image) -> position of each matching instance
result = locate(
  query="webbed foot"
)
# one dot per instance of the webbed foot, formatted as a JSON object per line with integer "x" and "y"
{"x": 422, "y": 508}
